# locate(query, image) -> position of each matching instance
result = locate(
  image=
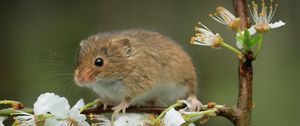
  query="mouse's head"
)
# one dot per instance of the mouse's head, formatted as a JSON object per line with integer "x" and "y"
{"x": 102, "y": 58}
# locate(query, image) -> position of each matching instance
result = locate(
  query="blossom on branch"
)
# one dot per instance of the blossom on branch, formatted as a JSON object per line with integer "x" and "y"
{"x": 262, "y": 19}
{"x": 1, "y": 120}
{"x": 25, "y": 119}
{"x": 60, "y": 109}
{"x": 173, "y": 118}
{"x": 225, "y": 17}
{"x": 206, "y": 37}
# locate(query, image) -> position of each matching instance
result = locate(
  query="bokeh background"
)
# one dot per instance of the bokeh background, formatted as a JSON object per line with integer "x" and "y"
{"x": 39, "y": 41}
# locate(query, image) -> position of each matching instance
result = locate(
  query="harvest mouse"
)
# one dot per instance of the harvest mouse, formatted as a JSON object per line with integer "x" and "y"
{"x": 136, "y": 67}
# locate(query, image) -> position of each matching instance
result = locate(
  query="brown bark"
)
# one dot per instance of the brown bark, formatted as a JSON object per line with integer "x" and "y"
{"x": 226, "y": 112}
{"x": 244, "y": 103}
{"x": 245, "y": 70}
{"x": 240, "y": 8}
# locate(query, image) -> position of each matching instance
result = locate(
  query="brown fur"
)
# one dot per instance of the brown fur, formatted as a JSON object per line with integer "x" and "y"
{"x": 141, "y": 59}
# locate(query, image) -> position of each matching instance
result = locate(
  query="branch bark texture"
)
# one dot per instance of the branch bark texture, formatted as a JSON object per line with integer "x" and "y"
{"x": 245, "y": 71}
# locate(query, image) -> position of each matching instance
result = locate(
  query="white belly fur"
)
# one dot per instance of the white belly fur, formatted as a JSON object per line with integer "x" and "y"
{"x": 162, "y": 94}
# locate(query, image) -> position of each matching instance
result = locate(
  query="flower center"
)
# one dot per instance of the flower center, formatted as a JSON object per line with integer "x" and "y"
{"x": 72, "y": 122}
{"x": 262, "y": 28}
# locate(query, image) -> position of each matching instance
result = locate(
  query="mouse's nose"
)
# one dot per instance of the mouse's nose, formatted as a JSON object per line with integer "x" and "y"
{"x": 83, "y": 77}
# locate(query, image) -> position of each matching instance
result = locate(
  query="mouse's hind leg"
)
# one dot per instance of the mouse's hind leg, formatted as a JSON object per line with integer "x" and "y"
{"x": 192, "y": 97}
{"x": 194, "y": 102}
{"x": 121, "y": 107}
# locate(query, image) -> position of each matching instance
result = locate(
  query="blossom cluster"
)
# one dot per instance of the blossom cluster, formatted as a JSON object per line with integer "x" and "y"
{"x": 53, "y": 110}
{"x": 245, "y": 42}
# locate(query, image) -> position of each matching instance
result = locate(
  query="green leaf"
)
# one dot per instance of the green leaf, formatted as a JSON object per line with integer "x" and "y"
{"x": 255, "y": 39}
{"x": 247, "y": 40}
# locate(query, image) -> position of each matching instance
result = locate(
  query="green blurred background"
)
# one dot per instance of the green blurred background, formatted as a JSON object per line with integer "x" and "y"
{"x": 40, "y": 39}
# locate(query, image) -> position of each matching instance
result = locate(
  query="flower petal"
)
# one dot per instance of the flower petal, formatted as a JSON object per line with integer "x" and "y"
{"x": 239, "y": 44}
{"x": 49, "y": 102}
{"x": 202, "y": 44}
{"x": 173, "y": 118}
{"x": 277, "y": 24}
{"x": 1, "y": 120}
{"x": 79, "y": 104}
{"x": 251, "y": 30}
{"x": 130, "y": 120}
{"x": 50, "y": 122}
{"x": 84, "y": 123}
{"x": 75, "y": 114}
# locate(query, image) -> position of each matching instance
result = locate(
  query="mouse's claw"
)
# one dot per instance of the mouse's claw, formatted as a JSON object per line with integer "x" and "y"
{"x": 121, "y": 107}
{"x": 105, "y": 104}
{"x": 195, "y": 104}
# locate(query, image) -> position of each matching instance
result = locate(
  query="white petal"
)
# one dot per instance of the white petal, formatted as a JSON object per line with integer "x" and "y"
{"x": 277, "y": 24}
{"x": 84, "y": 123}
{"x": 102, "y": 121}
{"x": 1, "y": 120}
{"x": 251, "y": 30}
{"x": 130, "y": 120}
{"x": 173, "y": 118}
{"x": 79, "y": 104}
{"x": 191, "y": 124}
{"x": 202, "y": 44}
{"x": 239, "y": 44}
{"x": 49, "y": 102}
{"x": 60, "y": 123}
{"x": 75, "y": 114}
{"x": 50, "y": 122}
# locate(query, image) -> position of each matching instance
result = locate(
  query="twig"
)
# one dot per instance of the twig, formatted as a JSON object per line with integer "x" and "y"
{"x": 224, "y": 111}
{"x": 240, "y": 8}
{"x": 245, "y": 71}
{"x": 100, "y": 110}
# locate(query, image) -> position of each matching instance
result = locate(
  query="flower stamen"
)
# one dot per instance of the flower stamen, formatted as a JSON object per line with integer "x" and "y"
{"x": 205, "y": 37}
{"x": 263, "y": 18}
{"x": 225, "y": 17}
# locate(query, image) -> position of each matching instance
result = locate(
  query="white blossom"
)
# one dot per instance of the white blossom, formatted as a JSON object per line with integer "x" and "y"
{"x": 262, "y": 19}
{"x": 73, "y": 118}
{"x": 132, "y": 119}
{"x": 173, "y": 118}
{"x": 60, "y": 108}
{"x": 206, "y": 37}
{"x": 1, "y": 120}
{"x": 225, "y": 17}
{"x": 100, "y": 120}
{"x": 25, "y": 119}
{"x": 54, "y": 104}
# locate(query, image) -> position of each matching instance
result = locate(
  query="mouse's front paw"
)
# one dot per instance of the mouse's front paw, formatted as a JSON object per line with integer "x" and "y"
{"x": 195, "y": 104}
{"x": 105, "y": 103}
{"x": 121, "y": 107}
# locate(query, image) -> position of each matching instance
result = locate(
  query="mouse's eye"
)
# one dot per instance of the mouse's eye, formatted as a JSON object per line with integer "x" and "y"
{"x": 99, "y": 62}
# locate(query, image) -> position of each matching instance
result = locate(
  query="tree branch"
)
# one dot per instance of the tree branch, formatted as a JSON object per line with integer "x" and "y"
{"x": 225, "y": 112}
{"x": 240, "y": 8}
{"x": 245, "y": 70}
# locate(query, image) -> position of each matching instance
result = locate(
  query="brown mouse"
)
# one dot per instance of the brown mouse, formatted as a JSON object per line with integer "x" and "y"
{"x": 136, "y": 67}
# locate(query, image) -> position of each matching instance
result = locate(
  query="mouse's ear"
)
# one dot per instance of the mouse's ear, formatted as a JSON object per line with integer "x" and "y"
{"x": 125, "y": 44}
{"x": 82, "y": 43}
